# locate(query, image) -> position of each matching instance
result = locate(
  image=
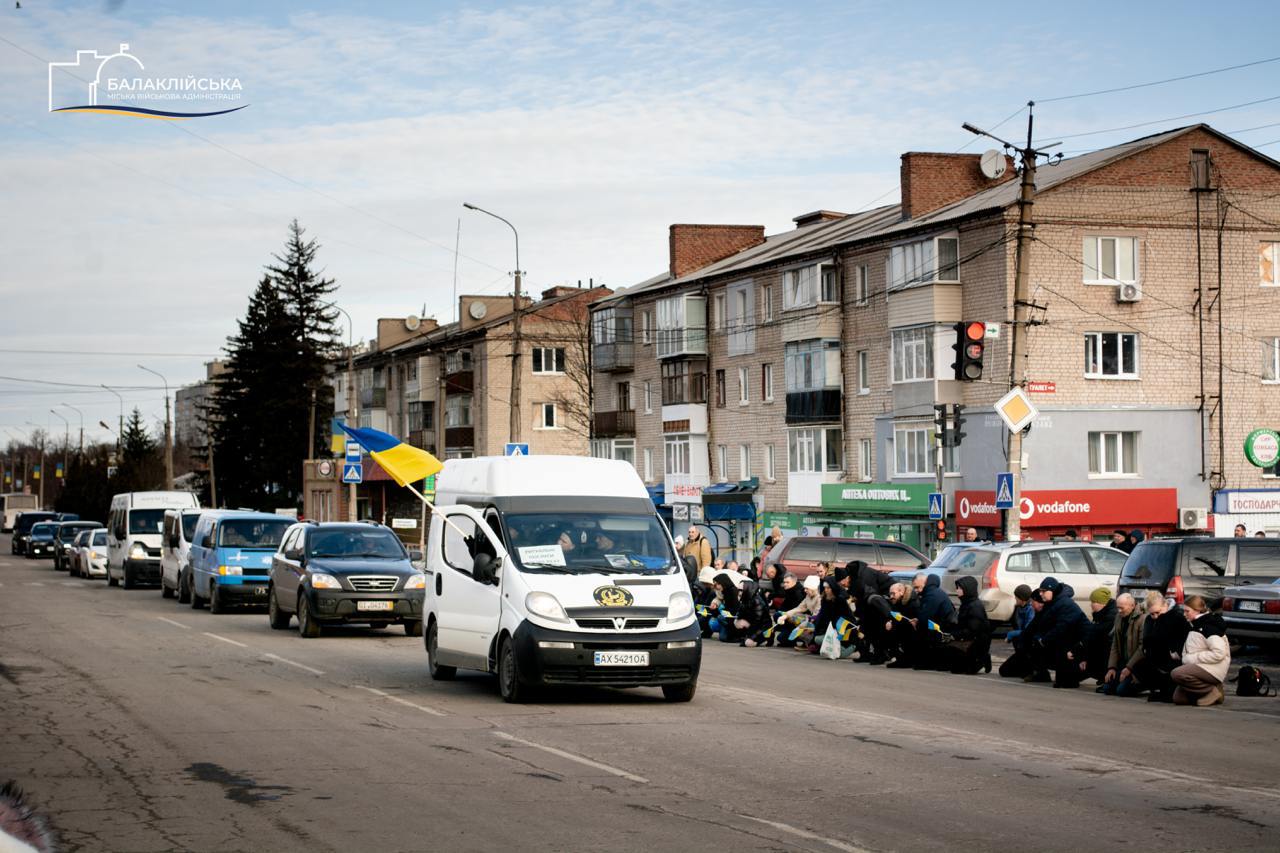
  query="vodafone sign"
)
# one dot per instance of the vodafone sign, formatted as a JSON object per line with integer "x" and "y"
{"x": 1082, "y": 507}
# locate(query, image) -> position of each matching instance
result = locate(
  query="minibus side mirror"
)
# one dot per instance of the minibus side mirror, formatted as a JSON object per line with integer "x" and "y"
{"x": 484, "y": 568}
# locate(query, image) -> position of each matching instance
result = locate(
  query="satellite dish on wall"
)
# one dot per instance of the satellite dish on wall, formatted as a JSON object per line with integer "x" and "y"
{"x": 478, "y": 310}
{"x": 412, "y": 322}
{"x": 993, "y": 164}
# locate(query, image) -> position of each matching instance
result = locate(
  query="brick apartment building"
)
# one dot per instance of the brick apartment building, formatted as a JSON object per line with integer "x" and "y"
{"x": 802, "y": 369}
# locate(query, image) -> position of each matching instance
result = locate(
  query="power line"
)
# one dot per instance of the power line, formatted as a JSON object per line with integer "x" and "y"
{"x": 1171, "y": 118}
{"x": 1157, "y": 82}
{"x": 83, "y": 385}
{"x": 106, "y": 352}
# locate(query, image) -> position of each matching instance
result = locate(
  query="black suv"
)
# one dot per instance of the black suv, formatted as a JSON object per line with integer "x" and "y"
{"x": 338, "y": 573}
{"x": 1199, "y": 566}
{"x": 22, "y": 528}
{"x": 62, "y": 539}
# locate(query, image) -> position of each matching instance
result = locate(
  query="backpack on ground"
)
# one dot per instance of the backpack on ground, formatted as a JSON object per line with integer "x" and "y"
{"x": 1253, "y": 682}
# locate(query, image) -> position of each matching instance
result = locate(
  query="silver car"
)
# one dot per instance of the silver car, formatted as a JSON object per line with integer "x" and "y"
{"x": 90, "y": 557}
{"x": 1252, "y": 611}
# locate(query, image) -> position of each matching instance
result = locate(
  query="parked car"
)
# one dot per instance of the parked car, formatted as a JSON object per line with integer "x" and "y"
{"x": 1253, "y": 611}
{"x": 337, "y": 573}
{"x": 90, "y": 553}
{"x": 22, "y": 528}
{"x": 175, "y": 550}
{"x": 1200, "y": 565}
{"x": 947, "y": 563}
{"x": 230, "y": 558}
{"x": 800, "y": 555}
{"x": 62, "y": 537}
{"x": 40, "y": 540}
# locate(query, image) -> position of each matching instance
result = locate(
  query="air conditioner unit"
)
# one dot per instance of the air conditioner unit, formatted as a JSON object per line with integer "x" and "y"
{"x": 1193, "y": 518}
{"x": 1129, "y": 292}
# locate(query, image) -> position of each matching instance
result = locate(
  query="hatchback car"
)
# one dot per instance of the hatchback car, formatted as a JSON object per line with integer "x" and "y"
{"x": 801, "y": 555}
{"x": 1253, "y": 612}
{"x": 339, "y": 573}
{"x": 1201, "y": 565}
{"x": 90, "y": 554}
{"x": 62, "y": 538}
{"x": 39, "y": 541}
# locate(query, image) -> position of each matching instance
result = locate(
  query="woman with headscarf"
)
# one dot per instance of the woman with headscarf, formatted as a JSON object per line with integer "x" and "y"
{"x": 724, "y": 608}
{"x": 970, "y": 648}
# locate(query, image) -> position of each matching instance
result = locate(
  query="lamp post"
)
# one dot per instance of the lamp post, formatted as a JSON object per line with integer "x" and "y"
{"x": 120, "y": 428}
{"x": 40, "y": 468}
{"x": 353, "y": 404}
{"x": 66, "y": 440}
{"x": 80, "y": 451}
{"x": 168, "y": 440}
{"x": 514, "y": 427}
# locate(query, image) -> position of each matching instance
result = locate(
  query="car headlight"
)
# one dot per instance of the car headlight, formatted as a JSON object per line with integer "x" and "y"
{"x": 230, "y": 570}
{"x": 680, "y": 606}
{"x": 137, "y": 550}
{"x": 544, "y": 604}
{"x": 93, "y": 555}
{"x": 319, "y": 580}
{"x": 418, "y": 581}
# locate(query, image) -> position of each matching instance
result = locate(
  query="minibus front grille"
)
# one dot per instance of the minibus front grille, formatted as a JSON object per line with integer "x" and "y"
{"x": 608, "y": 624}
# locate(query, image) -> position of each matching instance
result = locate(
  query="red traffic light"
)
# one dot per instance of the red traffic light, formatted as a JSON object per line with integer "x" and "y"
{"x": 975, "y": 331}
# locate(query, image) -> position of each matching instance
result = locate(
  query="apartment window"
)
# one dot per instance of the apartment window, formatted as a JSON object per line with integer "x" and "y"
{"x": 548, "y": 359}
{"x": 624, "y": 450}
{"x": 648, "y": 464}
{"x": 646, "y": 327}
{"x": 864, "y": 372}
{"x": 913, "y": 449}
{"x": 719, "y": 315}
{"x": 457, "y": 361}
{"x": 648, "y": 397}
{"x": 602, "y": 327}
{"x": 924, "y": 261}
{"x": 812, "y": 365}
{"x": 864, "y": 459}
{"x": 767, "y": 299}
{"x": 744, "y": 462}
{"x": 770, "y": 463}
{"x": 676, "y": 453}
{"x": 624, "y": 396}
{"x": 601, "y": 448}
{"x": 861, "y": 289}
{"x": 1113, "y": 454}
{"x": 912, "y": 354}
{"x": 800, "y": 287}
{"x": 1269, "y": 264}
{"x": 457, "y": 410}
{"x": 1271, "y": 359}
{"x": 1109, "y": 260}
{"x": 744, "y": 383}
{"x": 684, "y": 382}
{"x": 681, "y": 325}
{"x": 766, "y": 382}
{"x": 1111, "y": 355}
{"x": 741, "y": 318}
{"x": 814, "y": 450}
{"x": 546, "y": 416}
{"x": 830, "y": 284}
{"x": 720, "y": 390}
{"x": 722, "y": 461}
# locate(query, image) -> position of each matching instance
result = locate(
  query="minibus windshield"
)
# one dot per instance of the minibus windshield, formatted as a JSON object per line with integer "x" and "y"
{"x": 589, "y": 543}
{"x": 252, "y": 533}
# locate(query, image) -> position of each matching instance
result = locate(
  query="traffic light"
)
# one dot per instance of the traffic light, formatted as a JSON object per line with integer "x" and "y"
{"x": 957, "y": 421}
{"x": 971, "y": 338}
{"x": 940, "y": 424}
{"x": 941, "y": 530}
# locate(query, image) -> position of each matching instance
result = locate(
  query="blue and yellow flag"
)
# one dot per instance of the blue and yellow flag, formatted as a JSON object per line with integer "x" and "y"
{"x": 768, "y": 633}
{"x": 844, "y": 628}
{"x": 897, "y": 617}
{"x": 934, "y": 626}
{"x": 404, "y": 462}
{"x": 700, "y": 609}
{"x": 800, "y": 629}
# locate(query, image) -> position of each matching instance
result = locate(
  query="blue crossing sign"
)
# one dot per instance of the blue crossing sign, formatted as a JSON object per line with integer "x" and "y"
{"x": 1004, "y": 490}
{"x": 352, "y": 472}
{"x": 516, "y": 449}
{"x": 937, "y": 506}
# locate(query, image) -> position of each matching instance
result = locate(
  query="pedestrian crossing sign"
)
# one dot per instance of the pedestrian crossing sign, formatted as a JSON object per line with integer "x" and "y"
{"x": 352, "y": 472}
{"x": 516, "y": 449}
{"x": 1004, "y": 490}
{"x": 937, "y": 506}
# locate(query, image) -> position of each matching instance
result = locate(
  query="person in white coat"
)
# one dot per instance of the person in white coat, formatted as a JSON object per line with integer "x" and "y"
{"x": 1206, "y": 658}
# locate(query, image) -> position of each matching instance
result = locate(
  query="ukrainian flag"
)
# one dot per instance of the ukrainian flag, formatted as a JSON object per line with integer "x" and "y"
{"x": 844, "y": 628}
{"x": 404, "y": 462}
{"x": 934, "y": 626}
{"x": 798, "y": 631}
{"x": 897, "y": 617}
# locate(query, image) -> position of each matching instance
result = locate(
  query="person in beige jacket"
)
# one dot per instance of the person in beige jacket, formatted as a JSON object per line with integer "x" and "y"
{"x": 1206, "y": 658}
{"x": 698, "y": 547}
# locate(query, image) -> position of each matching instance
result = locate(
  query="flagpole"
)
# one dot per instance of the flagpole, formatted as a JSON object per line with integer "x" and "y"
{"x": 432, "y": 507}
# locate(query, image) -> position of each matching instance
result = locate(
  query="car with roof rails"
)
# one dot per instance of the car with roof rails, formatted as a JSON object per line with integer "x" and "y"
{"x": 341, "y": 573}
{"x": 22, "y": 525}
{"x": 62, "y": 538}
{"x": 1200, "y": 565}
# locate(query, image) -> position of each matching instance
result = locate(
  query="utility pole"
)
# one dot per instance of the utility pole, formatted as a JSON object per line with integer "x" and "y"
{"x": 66, "y": 441}
{"x": 353, "y": 403}
{"x": 516, "y": 342}
{"x": 168, "y": 434}
{"x": 1021, "y": 304}
{"x": 213, "y": 481}
{"x": 311, "y": 433}
{"x": 120, "y": 427}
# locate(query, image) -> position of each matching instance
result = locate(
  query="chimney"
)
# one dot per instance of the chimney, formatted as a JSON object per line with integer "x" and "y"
{"x": 558, "y": 290}
{"x": 804, "y": 220}
{"x": 696, "y": 246}
{"x": 931, "y": 181}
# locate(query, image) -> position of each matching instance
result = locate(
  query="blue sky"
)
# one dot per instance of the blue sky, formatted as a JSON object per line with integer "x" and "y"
{"x": 592, "y": 126}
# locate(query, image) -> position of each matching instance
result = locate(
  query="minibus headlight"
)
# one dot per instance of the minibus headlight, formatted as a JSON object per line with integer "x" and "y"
{"x": 679, "y": 607}
{"x": 230, "y": 570}
{"x": 319, "y": 580}
{"x": 418, "y": 581}
{"x": 137, "y": 550}
{"x": 544, "y": 604}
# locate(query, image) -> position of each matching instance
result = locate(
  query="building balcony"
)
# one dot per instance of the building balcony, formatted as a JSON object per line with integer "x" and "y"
{"x": 463, "y": 436}
{"x": 613, "y": 356}
{"x": 460, "y": 382}
{"x": 612, "y": 424}
{"x": 373, "y": 398}
{"x": 424, "y": 438}
{"x": 689, "y": 340}
{"x": 813, "y": 407}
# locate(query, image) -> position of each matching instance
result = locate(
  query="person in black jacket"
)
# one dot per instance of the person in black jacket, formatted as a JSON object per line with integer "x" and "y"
{"x": 1062, "y": 632}
{"x": 970, "y": 648}
{"x": 1162, "y": 640}
{"x": 870, "y": 589}
{"x": 901, "y": 626}
{"x": 936, "y": 612}
{"x": 1021, "y": 663}
{"x": 835, "y": 606}
{"x": 754, "y": 616}
{"x": 1094, "y": 652}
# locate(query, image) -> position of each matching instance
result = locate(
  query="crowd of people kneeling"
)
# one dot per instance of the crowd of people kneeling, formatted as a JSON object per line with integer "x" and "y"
{"x": 1170, "y": 653}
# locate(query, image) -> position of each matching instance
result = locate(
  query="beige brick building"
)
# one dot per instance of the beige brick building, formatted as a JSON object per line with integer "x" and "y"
{"x": 812, "y": 360}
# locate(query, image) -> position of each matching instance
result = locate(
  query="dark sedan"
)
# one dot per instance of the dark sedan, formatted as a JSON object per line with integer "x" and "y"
{"x": 40, "y": 542}
{"x": 1252, "y": 612}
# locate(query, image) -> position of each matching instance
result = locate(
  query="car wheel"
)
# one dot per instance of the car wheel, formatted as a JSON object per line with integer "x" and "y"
{"x": 679, "y": 692}
{"x": 196, "y": 601}
{"x": 216, "y": 602}
{"x": 166, "y": 591}
{"x": 509, "y": 674}
{"x": 413, "y": 629}
{"x": 129, "y": 582}
{"x": 277, "y": 617}
{"x": 184, "y": 589}
{"x": 438, "y": 672}
{"x": 111, "y": 579}
{"x": 307, "y": 626}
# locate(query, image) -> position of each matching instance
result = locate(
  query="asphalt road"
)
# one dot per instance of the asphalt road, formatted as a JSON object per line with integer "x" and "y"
{"x": 140, "y": 725}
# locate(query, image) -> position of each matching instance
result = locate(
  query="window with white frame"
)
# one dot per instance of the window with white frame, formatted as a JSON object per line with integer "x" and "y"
{"x": 676, "y": 453}
{"x": 1111, "y": 355}
{"x": 722, "y": 461}
{"x": 548, "y": 359}
{"x": 1271, "y": 359}
{"x": 861, "y": 287}
{"x": 1113, "y": 454}
{"x": 766, "y": 382}
{"x": 830, "y": 278}
{"x": 744, "y": 385}
{"x": 741, "y": 318}
{"x": 601, "y": 448}
{"x": 1269, "y": 264}
{"x": 864, "y": 372}
{"x": 624, "y": 449}
{"x": 719, "y": 315}
{"x": 648, "y": 464}
{"x": 1110, "y": 260}
{"x": 912, "y": 354}
{"x": 913, "y": 451}
{"x": 924, "y": 262}
{"x": 864, "y": 459}
{"x": 766, "y": 298}
{"x": 812, "y": 365}
{"x": 457, "y": 410}
{"x": 800, "y": 287}
{"x": 744, "y": 462}
{"x": 770, "y": 463}
{"x": 648, "y": 397}
{"x": 813, "y": 450}
{"x": 457, "y": 361}
{"x": 646, "y": 327}
{"x": 546, "y": 416}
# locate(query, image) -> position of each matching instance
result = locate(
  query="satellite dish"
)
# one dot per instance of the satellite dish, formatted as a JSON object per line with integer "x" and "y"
{"x": 478, "y": 310}
{"x": 412, "y": 322}
{"x": 993, "y": 164}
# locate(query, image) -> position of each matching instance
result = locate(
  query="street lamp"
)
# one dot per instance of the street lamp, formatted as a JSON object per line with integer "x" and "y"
{"x": 353, "y": 404}
{"x": 120, "y": 429}
{"x": 514, "y": 427}
{"x": 66, "y": 440}
{"x": 79, "y": 452}
{"x": 168, "y": 440}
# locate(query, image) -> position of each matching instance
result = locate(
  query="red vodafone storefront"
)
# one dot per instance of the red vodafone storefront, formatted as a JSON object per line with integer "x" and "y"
{"x": 1092, "y": 513}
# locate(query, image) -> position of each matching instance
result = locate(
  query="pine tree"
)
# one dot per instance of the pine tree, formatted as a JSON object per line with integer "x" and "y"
{"x": 141, "y": 465}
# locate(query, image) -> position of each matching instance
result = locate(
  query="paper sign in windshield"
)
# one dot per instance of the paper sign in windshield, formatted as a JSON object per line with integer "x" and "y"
{"x": 618, "y": 561}
{"x": 546, "y": 555}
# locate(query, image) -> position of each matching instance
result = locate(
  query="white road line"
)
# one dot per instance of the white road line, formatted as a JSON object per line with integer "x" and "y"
{"x": 34, "y": 583}
{"x": 176, "y": 624}
{"x": 293, "y": 663}
{"x": 571, "y": 757}
{"x": 72, "y": 583}
{"x": 400, "y": 701}
{"x": 225, "y": 640}
{"x": 371, "y": 690}
{"x": 805, "y": 834}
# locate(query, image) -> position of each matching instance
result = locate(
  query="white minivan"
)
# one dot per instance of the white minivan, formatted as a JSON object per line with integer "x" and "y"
{"x": 175, "y": 545}
{"x": 134, "y": 532}
{"x": 556, "y": 570}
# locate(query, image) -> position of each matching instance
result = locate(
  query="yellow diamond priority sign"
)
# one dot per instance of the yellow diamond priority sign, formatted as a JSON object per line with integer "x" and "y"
{"x": 1015, "y": 410}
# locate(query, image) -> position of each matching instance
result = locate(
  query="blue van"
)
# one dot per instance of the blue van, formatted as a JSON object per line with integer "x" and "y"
{"x": 230, "y": 558}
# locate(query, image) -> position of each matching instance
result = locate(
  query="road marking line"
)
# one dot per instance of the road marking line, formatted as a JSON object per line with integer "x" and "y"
{"x": 225, "y": 640}
{"x": 571, "y": 757}
{"x": 371, "y": 690}
{"x": 72, "y": 583}
{"x": 804, "y": 833}
{"x": 293, "y": 663}
{"x": 171, "y": 622}
{"x": 34, "y": 583}
{"x": 400, "y": 701}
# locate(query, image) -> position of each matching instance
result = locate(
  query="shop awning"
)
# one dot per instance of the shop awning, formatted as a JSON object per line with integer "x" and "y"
{"x": 730, "y": 501}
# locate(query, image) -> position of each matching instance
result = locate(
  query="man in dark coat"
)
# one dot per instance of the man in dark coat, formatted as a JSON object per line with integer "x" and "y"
{"x": 970, "y": 648}
{"x": 1095, "y": 651}
{"x": 900, "y": 628}
{"x": 870, "y": 590}
{"x": 1063, "y": 630}
{"x": 936, "y": 612}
